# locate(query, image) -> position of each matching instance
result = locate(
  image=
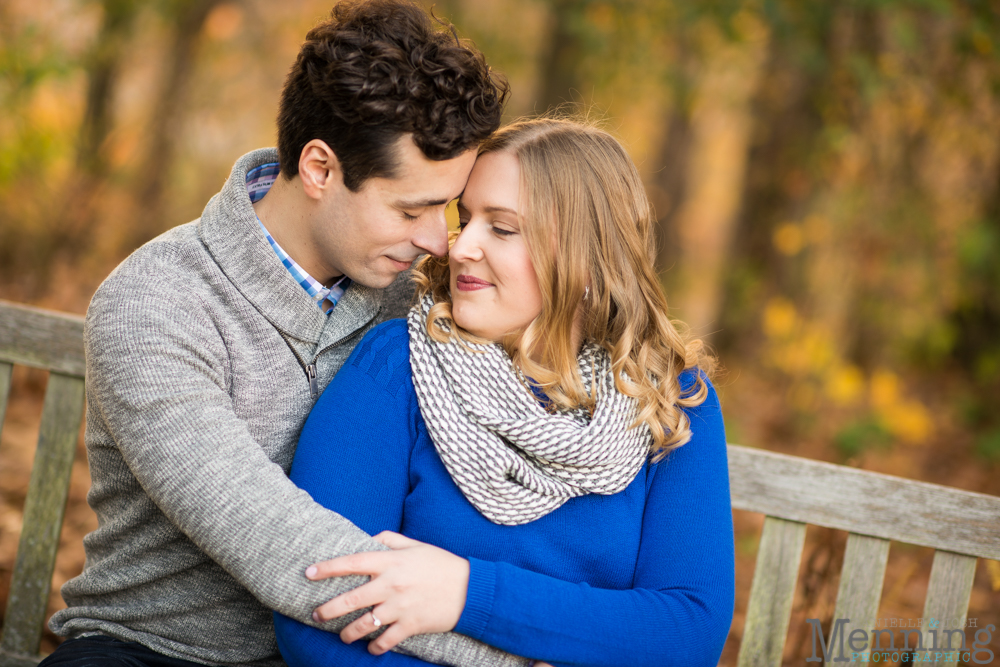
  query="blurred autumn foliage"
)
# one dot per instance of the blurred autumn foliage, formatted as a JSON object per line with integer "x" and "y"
{"x": 826, "y": 177}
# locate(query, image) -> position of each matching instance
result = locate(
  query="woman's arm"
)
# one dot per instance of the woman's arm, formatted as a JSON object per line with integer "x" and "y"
{"x": 680, "y": 607}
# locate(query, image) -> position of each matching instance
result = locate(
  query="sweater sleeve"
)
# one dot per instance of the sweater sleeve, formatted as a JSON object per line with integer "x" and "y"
{"x": 159, "y": 388}
{"x": 680, "y": 607}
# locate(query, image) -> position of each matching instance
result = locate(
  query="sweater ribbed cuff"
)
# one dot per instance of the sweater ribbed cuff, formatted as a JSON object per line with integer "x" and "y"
{"x": 478, "y": 599}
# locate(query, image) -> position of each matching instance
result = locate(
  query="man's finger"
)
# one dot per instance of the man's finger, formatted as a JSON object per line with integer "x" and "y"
{"x": 367, "y": 595}
{"x": 395, "y": 540}
{"x": 370, "y": 563}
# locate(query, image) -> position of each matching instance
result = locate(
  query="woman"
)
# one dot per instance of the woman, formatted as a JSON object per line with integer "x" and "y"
{"x": 529, "y": 416}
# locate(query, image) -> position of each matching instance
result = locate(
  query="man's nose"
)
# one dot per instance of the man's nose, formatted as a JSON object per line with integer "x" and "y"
{"x": 432, "y": 236}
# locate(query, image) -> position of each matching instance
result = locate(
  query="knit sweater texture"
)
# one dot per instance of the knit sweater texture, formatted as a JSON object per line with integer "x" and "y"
{"x": 639, "y": 578}
{"x": 197, "y": 347}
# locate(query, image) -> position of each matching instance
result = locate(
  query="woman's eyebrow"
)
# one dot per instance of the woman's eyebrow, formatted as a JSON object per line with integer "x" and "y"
{"x": 489, "y": 209}
{"x": 499, "y": 209}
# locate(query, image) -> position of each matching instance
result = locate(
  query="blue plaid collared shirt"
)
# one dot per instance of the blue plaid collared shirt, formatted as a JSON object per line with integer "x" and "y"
{"x": 259, "y": 181}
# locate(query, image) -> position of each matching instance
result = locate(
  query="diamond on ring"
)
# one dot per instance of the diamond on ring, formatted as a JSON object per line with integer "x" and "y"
{"x": 375, "y": 620}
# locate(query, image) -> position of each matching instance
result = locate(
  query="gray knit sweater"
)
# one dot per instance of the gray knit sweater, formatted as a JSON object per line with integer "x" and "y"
{"x": 197, "y": 349}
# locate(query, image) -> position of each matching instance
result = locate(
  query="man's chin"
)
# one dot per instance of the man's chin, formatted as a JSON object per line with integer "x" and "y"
{"x": 378, "y": 280}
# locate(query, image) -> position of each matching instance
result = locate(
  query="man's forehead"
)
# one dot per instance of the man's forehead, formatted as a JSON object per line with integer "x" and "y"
{"x": 422, "y": 182}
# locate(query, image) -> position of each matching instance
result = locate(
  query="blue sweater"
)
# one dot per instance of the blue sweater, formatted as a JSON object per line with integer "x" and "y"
{"x": 641, "y": 577}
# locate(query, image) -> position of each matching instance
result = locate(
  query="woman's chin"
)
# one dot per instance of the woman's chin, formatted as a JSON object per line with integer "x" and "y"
{"x": 470, "y": 327}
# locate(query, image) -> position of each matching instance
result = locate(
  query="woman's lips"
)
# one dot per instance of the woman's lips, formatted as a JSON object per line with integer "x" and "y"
{"x": 470, "y": 283}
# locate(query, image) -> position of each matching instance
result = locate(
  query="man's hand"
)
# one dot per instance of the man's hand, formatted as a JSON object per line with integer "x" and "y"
{"x": 415, "y": 589}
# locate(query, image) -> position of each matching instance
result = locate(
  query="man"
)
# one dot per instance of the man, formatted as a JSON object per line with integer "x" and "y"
{"x": 208, "y": 346}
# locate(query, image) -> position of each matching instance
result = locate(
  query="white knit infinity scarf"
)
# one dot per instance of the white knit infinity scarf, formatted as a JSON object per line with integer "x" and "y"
{"x": 513, "y": 460}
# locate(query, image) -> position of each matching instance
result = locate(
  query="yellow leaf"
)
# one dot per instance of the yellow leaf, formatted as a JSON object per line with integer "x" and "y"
{"x": 910, "y": 421}
{"x": 844, "y": 384}
{"x": 780, "y": 318}
{"x": 993, "y": 569}
{"x": 789, "y": 239}
{"x": 884, "y": 389}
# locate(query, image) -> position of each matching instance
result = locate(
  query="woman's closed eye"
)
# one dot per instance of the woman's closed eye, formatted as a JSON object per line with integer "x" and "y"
{"x": 502, "y": 231}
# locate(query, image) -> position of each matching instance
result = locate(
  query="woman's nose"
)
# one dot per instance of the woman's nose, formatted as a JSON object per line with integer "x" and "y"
{"x": 467, "y": 247}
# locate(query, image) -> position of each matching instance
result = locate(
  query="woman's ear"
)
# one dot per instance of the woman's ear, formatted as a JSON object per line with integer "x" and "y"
{"x": 319, "y": 169}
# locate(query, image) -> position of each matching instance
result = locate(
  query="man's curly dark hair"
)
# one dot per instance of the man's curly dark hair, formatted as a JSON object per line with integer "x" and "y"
{"x": 378, "y": 69}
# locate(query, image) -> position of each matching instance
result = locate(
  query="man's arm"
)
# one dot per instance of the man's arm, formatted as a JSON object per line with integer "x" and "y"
{"x": 157, "y": 368}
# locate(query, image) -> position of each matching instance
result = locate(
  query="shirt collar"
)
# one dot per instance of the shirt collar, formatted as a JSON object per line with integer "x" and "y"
{"x": 259, "y": 181}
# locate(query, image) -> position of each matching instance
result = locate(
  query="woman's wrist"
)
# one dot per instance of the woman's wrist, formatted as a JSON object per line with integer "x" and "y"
{"x": 479, "y": 598}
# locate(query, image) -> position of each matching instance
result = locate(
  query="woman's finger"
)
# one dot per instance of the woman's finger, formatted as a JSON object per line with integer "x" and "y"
{"x": 369, "y": 562}
{"x": 395, "y": 540}
{"x": 396, "y": 633}
{"x": 367, "y": 595}
{"x": 366, "y": 624}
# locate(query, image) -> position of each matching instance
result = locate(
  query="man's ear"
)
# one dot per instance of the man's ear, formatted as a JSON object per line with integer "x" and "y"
{"x": 319, "y": 169}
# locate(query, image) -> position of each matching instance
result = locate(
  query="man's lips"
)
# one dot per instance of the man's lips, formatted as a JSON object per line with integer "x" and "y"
{"x": 401, "y": 265}
{"x": 466, "y": 283}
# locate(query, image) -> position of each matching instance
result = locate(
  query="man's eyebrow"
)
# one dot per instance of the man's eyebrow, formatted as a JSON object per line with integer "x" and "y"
{"x": 421, "y": 203}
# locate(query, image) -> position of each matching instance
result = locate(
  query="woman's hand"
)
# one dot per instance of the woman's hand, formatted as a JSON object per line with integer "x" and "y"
{"x": 415, "y": 589}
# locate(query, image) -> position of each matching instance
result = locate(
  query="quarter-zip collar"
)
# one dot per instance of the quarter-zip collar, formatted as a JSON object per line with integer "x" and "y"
{"x": 229, "y": 229}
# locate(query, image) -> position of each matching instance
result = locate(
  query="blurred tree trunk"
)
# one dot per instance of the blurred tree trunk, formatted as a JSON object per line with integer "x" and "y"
{"x": 669, "y": 185}
{"x": 778, "y": 185}
{"x": 559, "y": 67}
{"x": 720, "y": 134}
{"x": 74, "y": 216}
{"x": 188, "y": 17}
{"x": 102, "y": 74}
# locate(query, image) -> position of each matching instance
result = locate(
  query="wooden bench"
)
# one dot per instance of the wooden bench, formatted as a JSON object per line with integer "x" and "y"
{"x": 790, "y": 491}
{"x": 52, "y": 341}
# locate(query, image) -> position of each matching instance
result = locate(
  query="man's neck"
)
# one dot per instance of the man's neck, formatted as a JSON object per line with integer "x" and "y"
{"x": 285, "y": 212}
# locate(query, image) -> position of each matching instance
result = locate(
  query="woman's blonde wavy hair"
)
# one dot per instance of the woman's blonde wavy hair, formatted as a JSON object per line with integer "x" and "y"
{"x": 580, "y": 188}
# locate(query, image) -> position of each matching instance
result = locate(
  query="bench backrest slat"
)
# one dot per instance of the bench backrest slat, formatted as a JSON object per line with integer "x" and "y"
{"x": 947, "y": 601}
{"x": 860, "y": 589}
{"x": 770, "y": 607}
{"x": 43, "y": 514}
{"x": 41, "y": 338}
{"x": 864, "y": 502}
